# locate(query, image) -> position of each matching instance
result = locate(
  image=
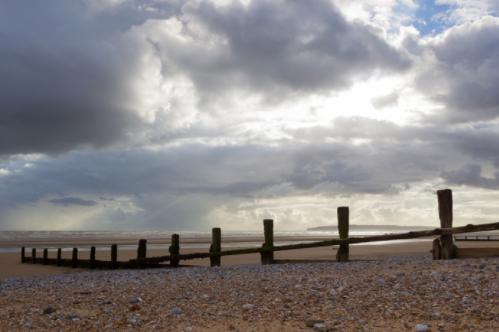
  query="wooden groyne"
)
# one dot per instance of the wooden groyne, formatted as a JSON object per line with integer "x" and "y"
{"x": 443, "y": 247}
{"x": 476, "y": 238}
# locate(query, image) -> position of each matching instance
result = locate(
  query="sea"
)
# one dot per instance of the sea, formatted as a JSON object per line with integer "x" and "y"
{"x": 256, "y": 238}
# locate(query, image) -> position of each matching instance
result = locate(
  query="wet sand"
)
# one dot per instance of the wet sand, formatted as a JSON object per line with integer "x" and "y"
{"x": 11, "y": 267}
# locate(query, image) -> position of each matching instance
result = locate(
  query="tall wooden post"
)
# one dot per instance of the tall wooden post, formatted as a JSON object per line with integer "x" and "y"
{"x": 45, "y": 256}
{"x": 141, "y": 251}
{"x": 75, "y": 258}
{"x": 436, "y": 250}
{"x": 114, "y": 256}
{"x": 33, "y": 255}
{"x": 216, "y": 238}
{"x": 268, "y": 229}
{"x": 175, "y": 250}
{"x": 343, "y": 214}
{"x": 59, "y": 258}
{"x": 23, "y": 253}
{"x": 92, "y": 258}
{"x": 445, "y": 213}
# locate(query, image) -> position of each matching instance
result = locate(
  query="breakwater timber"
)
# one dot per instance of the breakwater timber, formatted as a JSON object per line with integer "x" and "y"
{"x": 443, "y": 247}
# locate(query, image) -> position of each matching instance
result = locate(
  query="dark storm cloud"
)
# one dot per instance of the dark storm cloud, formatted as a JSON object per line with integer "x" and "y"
{"x": 182, "y": 185}
{"x": 68, "y": 70}
{"x": 471, "y": 175}
{"x": 72, "y": 201}
{"x": 197, "y": 169}
{"x": 64, "y": 83}
{"x": 278, "y": 47}
{"x": 466, "y": 76}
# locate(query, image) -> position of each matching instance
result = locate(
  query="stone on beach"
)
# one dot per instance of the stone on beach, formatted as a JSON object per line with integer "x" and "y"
{"x": 136, "y": 300}
{"x": 421, "y": 327}
{"x": 48, "y": 311}
{"x": 397, "y": 293}
{"x": 319, "y": 326}
{"x": 312, "y": 322}
{"x": 176, "y": 311}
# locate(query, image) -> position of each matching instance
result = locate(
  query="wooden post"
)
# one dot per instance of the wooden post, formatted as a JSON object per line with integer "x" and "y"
{"x": 445, "y": 213}
{"x": 45, "y": 256}
{"x": 268, "y": 229}
{"x": 142, "y": 251}
{"x": 92, "y": 258}
{"x": 59, "y": 258}
{"x": 436, "y": 251}
{"x": 114, "y": 256}
{"x": 216, "y": 238}
{"x": 175, "y": 250}
{"x": 33, "y": 255}
{"x": 23, "y": 253}
{"x": 75, "y": 258}
{"x": 342, "y": 255}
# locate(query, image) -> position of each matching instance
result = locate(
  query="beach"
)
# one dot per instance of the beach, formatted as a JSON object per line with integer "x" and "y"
{"x": 388, "y": 287}
{"x": 10, "y": 266}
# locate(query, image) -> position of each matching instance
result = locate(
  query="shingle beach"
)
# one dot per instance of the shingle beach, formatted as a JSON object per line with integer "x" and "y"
{"x": 388, "y": 294}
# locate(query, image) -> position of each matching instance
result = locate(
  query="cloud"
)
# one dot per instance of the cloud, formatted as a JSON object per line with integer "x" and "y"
{"x": 67, "y": 76}
{"x": 389, "y": 100}
{"x": 187, "y": 114}
{"x": 72, "y": 201}
{"x": 465, "y": 73}
{"x": 471, "y": 175}
{"x": 462, "y": 11}
{"x": 269, "y": 49}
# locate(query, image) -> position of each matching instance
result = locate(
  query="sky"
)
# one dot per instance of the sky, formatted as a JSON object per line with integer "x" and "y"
{"x": 192, "y": 114}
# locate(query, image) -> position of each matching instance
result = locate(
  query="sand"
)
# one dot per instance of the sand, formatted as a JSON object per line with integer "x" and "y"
{"x": 11, "y": 267}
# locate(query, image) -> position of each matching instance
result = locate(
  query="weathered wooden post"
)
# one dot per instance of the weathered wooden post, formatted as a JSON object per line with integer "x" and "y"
{"x": 33, "y": 255}
{"x": 436, "y": 251}
{"x": 216, "y": 238}
{"x": 92, "y": 258}
{"x": 342, "y": 255}
{"x": 23, "y": 253}
{"x": 268, "y": 229}
{"x": 75, "y": 258}
{"x": 59, "y": 258}
{"x": 45, "y": 256}
{"x": 114, "y": 256}
{"x": 141, "y": 252}
{"x": 445, "y": 213}
{"x": 174, "y": 250}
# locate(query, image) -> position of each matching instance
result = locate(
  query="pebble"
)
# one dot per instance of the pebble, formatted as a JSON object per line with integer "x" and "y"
{"x": 49, "y": 310}
{"x": 369, "y": 295}
{"x": 421, "y": 327}
{"x": 176, "y": 311}
{"x": 313, "y": 322}
{"x": 136, "y": 300}
{"x": 319, "y": 326}
{"x": 135, "y": 307}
